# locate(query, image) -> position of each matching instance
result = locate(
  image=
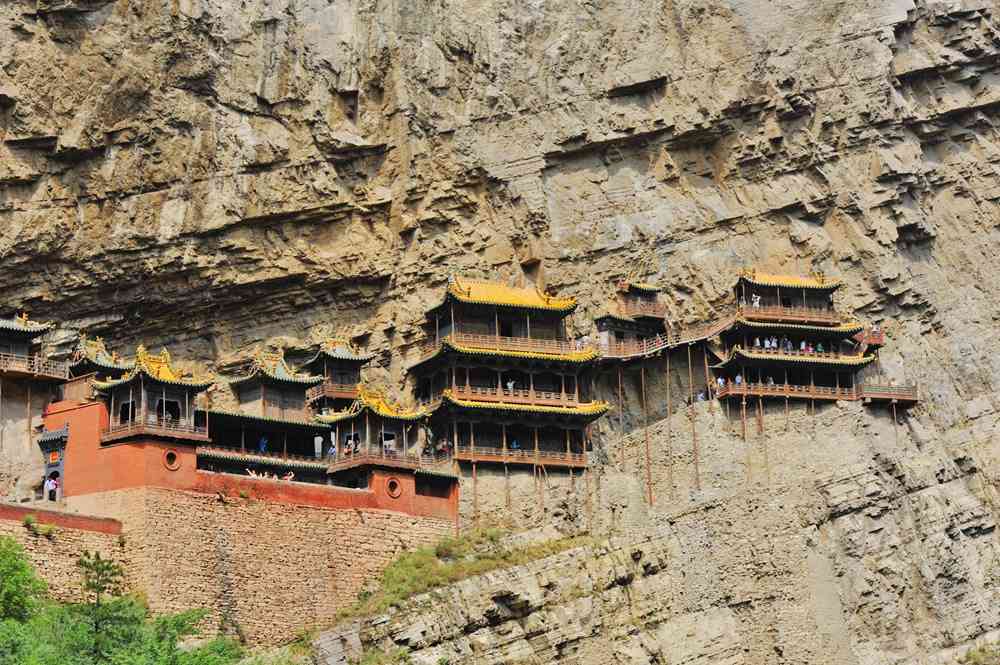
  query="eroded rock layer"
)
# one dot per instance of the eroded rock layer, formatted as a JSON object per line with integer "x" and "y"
{"x": 211, "y": 175}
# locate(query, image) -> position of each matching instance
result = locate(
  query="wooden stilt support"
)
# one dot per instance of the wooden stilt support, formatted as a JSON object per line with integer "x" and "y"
{"x": 475, "y": 496}
{"x": 694, "y": 432}
{"x": 586, "y": 482}
{"x": 743, "y": 404}
{"x": 760, "y": 416}
{"x": 621, "y": 420}
{"x": 670, "y": 444}
{"x": 895, "y": 430}
{"x": 645, "y": 434}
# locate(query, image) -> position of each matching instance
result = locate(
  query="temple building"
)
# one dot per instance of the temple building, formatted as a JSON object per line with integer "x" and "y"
{"x": 504, "y": 383}
{"x": 152, "y": 400}
{"x": 339, "y": 363}
{"x": 636, "y": 315}
{"x": 273, "y": 431}
{"x": 28, "y": 381}
{"x": 376, "y": 432}
{"x": 92, "y": 358}
{"x": 787, "y": 341}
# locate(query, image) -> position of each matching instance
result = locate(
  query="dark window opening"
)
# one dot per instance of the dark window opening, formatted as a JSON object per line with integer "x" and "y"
{"x": 126, "y": 412}
{"x": 169, "y": 409}
{"x": 431, "y": 486}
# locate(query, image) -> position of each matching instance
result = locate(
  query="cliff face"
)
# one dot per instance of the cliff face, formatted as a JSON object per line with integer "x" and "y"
{"x": 209, "y": 174}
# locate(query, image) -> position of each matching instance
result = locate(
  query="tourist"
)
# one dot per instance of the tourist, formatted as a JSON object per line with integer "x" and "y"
{"x": 756, "y": 301}
{"x": 357, "y": 443}
{"x": 510, "y": 386}
{"x": 767, "y": 343}
{"x": 819, "y": 348}
{"x": 774, "y": 341}
{"x": 770, "y": 380}
{"x": 802, "y": 346}
{"x": 701, "y": 395}
{"x": 722, "y": 383}
{"x": 290, "y": 476}
{"x": 739, "y": 379}
{"x": 756, "y": 342}
{"x": 50, "y": 489}
{"x": 514, "y": 445}
{"x": 262, "y": 444}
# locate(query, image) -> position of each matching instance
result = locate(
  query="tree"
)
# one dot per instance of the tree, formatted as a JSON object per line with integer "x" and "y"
{"x": 103, "y": 578}
{"x": 21, "y": 591}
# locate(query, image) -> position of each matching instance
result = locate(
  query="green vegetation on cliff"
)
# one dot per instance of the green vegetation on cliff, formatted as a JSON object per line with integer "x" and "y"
{"x": 108, "y": 629}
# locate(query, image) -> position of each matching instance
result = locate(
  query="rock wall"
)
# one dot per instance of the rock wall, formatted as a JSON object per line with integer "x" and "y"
{"x": 857, "y": 543}
{"x": 211, "y": 176}
{"x": 22, "y": 465}
{"x": 55, "y": 551}
{"x": 266, "y": 571}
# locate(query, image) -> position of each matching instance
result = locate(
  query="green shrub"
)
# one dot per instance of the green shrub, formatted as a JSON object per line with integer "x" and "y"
{"x": 21, "y": 590}
{"x": 988, "y": 654}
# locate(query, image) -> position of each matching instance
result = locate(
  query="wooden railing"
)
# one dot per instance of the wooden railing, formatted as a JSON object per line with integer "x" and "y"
{"x": 636, "y": 308}
{"x": 861, "y": 391}
{"x": 515, "y": 396}
{"x": 786, "y": 390}
{"x": 499, "y": 343}
{"x": 884, "y": 392}
{"x": 33, "y": 364}
{"x": 332, "y": 390}
{"x": 820, "y": 355}
{"x": 520, "y": 456}
{"x": 254, "y": 457}
{"x": 155, "y": 426}
{"x": 386, "y": 457}
{"x": 668, "y": 340}
{"x": 871, "y": 337}
{"x": 800, "y": 314}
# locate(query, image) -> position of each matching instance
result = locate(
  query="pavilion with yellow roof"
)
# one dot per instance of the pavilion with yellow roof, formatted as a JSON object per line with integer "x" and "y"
{"x": 152, "y": 399}
{"x": 503, "y": 381}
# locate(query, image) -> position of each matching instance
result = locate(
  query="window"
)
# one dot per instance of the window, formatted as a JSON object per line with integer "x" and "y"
{"x": 431, "y": 486}
{"x": 169, "y": 409}
{"x": 126, "y": 412}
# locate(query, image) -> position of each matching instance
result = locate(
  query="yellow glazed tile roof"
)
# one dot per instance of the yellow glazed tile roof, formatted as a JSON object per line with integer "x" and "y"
{"x": 273, "y": 366}
{"x": 641, "y": 286}
{"x": 590, "y": 409}
{"x": 95, "y": 351}
{"x": 375, "y": 401}
{"x": 158, "y": 368}
{"x": 848, "y": 361}
{"x": 847, "y": 328}
{"x": 759, "y": 278}
{"x": 581, "y": 356}
{"x": 493, "y": 293}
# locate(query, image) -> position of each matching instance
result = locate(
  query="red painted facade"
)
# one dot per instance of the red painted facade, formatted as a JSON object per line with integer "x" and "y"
{"x": 91, "y": 468}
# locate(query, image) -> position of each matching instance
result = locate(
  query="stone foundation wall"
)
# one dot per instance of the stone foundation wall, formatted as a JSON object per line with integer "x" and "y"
{"x": 264, "y": 570}
{"x": 55, "y": 556}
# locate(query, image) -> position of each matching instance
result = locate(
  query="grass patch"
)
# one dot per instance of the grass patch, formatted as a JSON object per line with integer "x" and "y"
{"x": 379, "y": 657}
{"x": 988, "y": 654}
{"x": 449, "y": 561}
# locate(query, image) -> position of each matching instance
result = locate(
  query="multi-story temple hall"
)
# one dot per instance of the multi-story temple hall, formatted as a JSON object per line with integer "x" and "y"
{"x": 787, "y": 341}
{"x": 503, "y": 381}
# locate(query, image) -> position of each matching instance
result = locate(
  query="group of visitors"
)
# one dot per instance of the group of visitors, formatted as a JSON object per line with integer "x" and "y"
{"x": 266, "y": 475}
{"x": 786, "y": 345}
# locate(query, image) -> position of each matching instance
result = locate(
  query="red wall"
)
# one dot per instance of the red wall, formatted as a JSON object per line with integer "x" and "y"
{"x": 62, "y": 520}
{"x": 90, "y": 468}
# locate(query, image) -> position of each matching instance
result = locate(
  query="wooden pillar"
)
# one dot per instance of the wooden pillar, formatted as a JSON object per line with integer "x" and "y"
{"x": 454, "y": 434}
{"x": 621, "y": 419}
{"x": 690, "y": 377}
{"x": 368, "y": 433}
{"x": 472, "y": 438}
{"x": 475, "y": 496}
{"x": 645, "y": 433}
{"x": 528, "y": 319}
{"x": 284, "y": 446}
{"x": 28, "y": 409}
{"x": 744, "y": 416}
{"x": 670, "y": 448}
{"x": 576, "y": 386}
{"x": 568, "y": 450}
{"x": 243, "y": 439}
{"x": 535, "y": 429}
{"x": 694, "y": 433}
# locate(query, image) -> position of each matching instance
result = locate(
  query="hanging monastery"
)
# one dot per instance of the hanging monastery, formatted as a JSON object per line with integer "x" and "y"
{"x": 501, "y": 403}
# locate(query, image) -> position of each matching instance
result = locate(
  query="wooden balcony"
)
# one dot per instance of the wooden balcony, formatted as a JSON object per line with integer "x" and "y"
{"x": 33, "y": 366}
{"x": 637, "y": 309}
{"x": 790, "y": 391}
{"x": 332, "y": 390}
{"x": 668, "y": 340}
{"x": 886, "y": 394}
{"x": 155, "y": 428}
{"x": 238, "y": 456}
{"x": 390, "y": 458}
{"x": 778, "y": 314}
{"x": 818, "y": 356}
{"x": 508, "y": 456}
{"x": 509, "y": 344}
{"x": 866, "y": 392}
{"x": 515, "y": 396}
{"x": 871, "y": 337}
